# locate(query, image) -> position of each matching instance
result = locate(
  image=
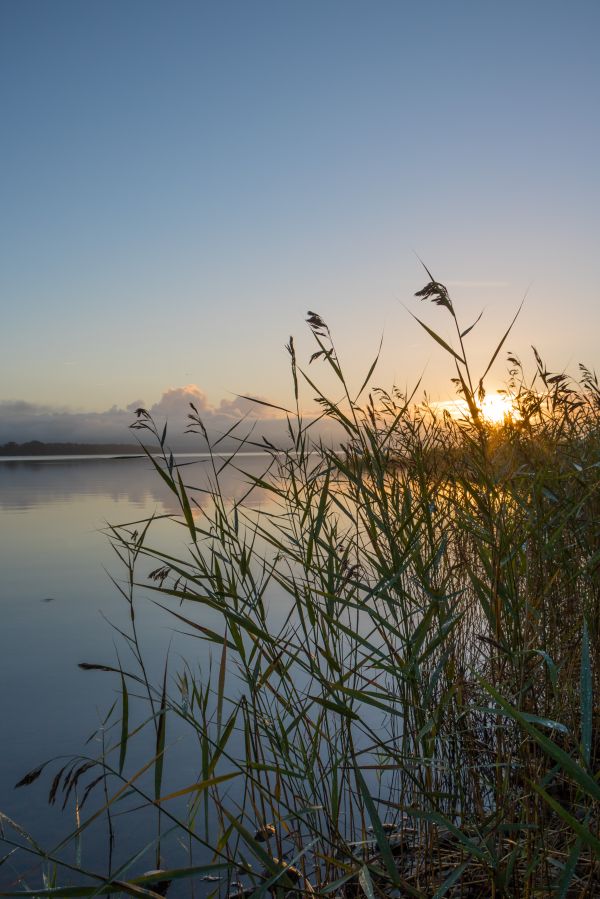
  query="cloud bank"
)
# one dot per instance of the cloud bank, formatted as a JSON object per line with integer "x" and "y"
{"x": 21, "y": 421}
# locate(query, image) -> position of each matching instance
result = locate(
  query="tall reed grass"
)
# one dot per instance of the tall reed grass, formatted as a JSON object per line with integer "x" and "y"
{"x": 405, "y": 694}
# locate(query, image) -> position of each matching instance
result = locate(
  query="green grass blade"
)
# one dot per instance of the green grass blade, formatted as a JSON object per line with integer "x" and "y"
{"x": 583, "y": 832}
{"x": 454, "y": 875}
{"x": 569, "y": 870}
{"x": 124, "y": 723}
{"x": 587, "y": 705}
{"x": 568, "y": 765}
{"x": 380, "y": 835}
{"x": 161, "y": 731}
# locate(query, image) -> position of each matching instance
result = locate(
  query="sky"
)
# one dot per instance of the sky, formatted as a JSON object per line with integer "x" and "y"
{"x": 181, "y": 181}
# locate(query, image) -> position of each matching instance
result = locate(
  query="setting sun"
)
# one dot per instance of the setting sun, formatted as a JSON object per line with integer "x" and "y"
{"x": 496, "y": 408}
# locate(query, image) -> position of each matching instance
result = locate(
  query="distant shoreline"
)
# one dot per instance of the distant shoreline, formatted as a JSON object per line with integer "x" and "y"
{"x": 39, "y": 448}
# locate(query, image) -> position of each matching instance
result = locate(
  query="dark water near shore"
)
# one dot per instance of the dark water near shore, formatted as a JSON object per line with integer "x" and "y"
{"x": 57, "y": 605}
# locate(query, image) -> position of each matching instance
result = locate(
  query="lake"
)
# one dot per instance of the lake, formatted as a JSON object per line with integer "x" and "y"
{"x": 60, "y": 608}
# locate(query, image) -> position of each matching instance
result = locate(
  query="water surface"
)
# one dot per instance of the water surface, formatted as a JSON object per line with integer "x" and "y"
{"x": 58, "y": 604}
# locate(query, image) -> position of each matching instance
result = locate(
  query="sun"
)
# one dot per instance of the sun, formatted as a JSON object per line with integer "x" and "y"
{"x": 496, "y": 408}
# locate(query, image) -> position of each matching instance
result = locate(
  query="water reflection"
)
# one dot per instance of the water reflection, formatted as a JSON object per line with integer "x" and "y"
{"x": 28, "y": 484}
{"x": 56, "y": 600}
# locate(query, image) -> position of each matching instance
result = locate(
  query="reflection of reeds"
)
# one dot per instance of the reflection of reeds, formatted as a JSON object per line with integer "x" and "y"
{"x": 406, "y": 693}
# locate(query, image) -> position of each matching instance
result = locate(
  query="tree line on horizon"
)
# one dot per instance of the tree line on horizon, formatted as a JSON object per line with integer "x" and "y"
{"x": 40, "y": 448}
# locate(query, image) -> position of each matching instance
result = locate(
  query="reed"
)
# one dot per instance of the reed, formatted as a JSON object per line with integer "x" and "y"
{"x": 420, "y": 715}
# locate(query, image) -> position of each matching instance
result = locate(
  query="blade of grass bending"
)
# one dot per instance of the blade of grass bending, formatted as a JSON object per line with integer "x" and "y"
{"x": 568, "y": 765}
{"x": 35, "y": 848}
{"x": 201, "y": 786}
{"x": 168, "y": 481}
{"x": 230, "y": 431}
{"x": 92, "y": 666}
{"x": 124, "y": 723}
{"x": 466, "y": 331}
{"x": 105, "y": 886}
{"x": 342, "y": 710}
{"x": 569, "y": 870}
{"x": 371, "y": 370}
{"x": 501, "y": 344}
{"x": 454, "y": 875}
{"x": 586, "y": 696}
{"x": 438, "y": 339}
{"x": 131, "y": 886}
{"x": 209, "y": 634}
{"x": 377, "y": 700}
{"x": 527, "y": 716}
{"x": 121, "y": 871}
{"x": 552, "y": 669}
{"x": 223, "y": 740}
{"x": 243, "y": 621}
{"x": 253, "y": 399}
{"x": 332, "y": 409}
{"x": 276, "y": 769}
{"x": 185, "y": 505}
{"x": 380, "y": 836}
{"x": 221, "y": 688}
{"x": 334, "y": 885}
{"x": 161, "y": 731}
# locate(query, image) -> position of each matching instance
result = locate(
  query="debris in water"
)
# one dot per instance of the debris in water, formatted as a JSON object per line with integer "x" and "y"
{"x": 263, "y": 833}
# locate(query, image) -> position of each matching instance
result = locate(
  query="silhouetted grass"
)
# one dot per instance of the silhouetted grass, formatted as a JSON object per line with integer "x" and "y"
{"x": 405, "y": 696}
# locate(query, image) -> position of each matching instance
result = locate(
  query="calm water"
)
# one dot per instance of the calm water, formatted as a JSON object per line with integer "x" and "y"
{"x": 57, "y": 605}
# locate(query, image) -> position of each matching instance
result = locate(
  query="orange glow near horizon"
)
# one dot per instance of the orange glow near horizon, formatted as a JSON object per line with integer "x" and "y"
{"x": 496, "y": 408}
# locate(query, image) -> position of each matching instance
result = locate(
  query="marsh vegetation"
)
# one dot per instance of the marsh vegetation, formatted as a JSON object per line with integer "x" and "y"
{"x": 403, "y": 699}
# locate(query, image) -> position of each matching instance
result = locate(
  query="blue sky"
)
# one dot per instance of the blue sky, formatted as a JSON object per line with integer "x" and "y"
{"x": 181, "y": 181}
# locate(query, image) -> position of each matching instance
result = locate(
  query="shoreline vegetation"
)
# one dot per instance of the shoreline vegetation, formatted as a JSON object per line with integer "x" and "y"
{"x": 403, "y": 699}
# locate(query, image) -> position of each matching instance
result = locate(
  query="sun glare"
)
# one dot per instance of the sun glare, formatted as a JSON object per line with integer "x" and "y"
{"x": 496, "y": 408}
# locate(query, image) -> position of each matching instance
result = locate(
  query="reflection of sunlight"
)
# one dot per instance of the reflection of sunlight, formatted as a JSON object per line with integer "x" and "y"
{"x": 496, "y": 408}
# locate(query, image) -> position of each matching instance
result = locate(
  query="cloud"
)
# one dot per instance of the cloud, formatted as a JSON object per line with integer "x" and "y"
{"x": 175, "y": 402}
{"x": 21, "y": 421}
{"x": 21, "y": 407}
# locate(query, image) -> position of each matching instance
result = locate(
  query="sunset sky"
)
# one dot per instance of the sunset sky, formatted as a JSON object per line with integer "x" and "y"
{"x": 181, "y": 181}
